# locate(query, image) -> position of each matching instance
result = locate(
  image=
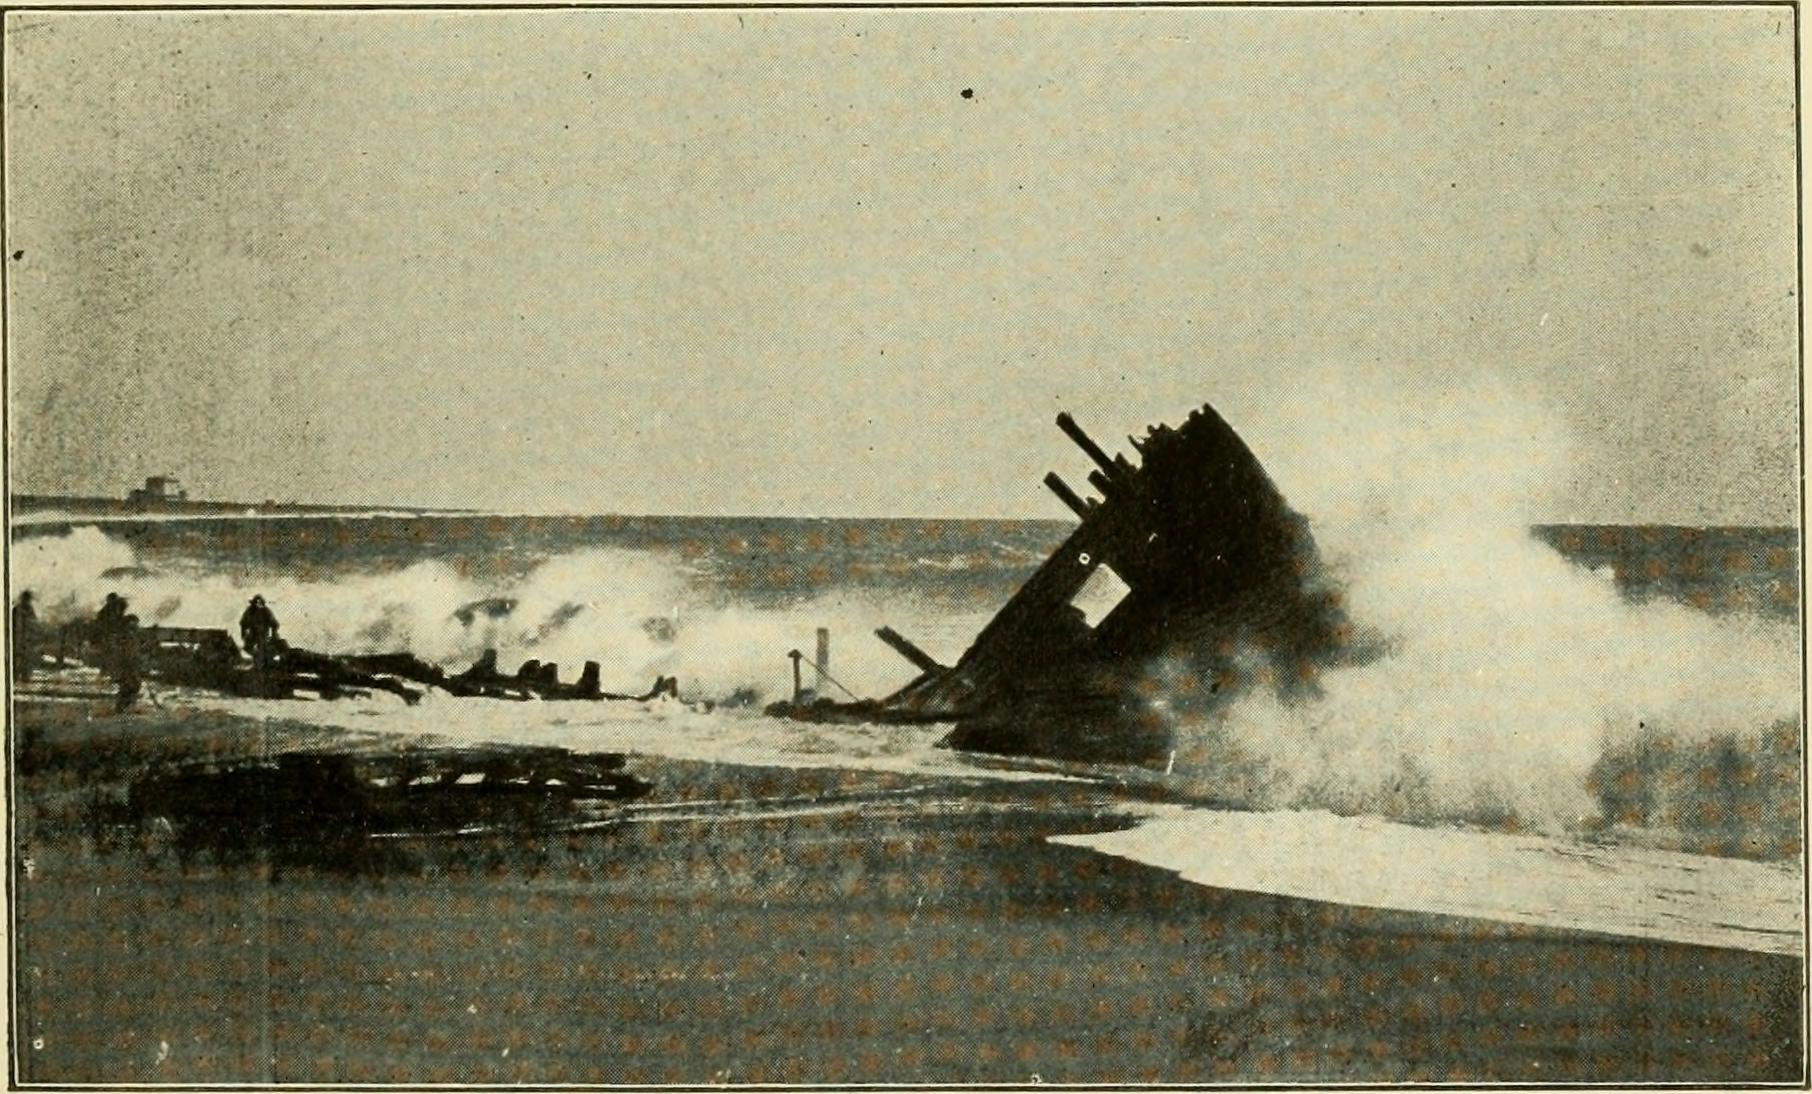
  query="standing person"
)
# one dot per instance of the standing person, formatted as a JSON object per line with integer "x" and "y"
{"x": 112, "y": 615}
{"x": 121, "y": 644}
{"x": 100, "y": 636}
{"x": 258, "y": 631}
{"x": 24, "y": 637}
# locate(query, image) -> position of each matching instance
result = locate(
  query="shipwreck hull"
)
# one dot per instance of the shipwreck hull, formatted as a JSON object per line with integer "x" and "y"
{"x": 1219, "y": 587}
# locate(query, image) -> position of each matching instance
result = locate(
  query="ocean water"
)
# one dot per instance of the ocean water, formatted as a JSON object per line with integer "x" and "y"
{"x": 1558, "y": 678}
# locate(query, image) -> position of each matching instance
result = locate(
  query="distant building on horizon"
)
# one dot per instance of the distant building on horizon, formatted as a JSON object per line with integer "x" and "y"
{"x": 158, "y": 489}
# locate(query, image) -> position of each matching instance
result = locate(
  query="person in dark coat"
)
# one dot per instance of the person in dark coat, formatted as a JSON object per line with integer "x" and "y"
{"x": 112, "y": 615}
{"x": 102, "y": 637}
{"x": 258, "y": 631}
{"x": 121, "y": 645}
{"x": 24, "y": 637}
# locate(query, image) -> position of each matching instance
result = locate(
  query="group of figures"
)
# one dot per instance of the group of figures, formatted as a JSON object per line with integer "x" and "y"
{"x": 115, "y": 641}
{"x": 264, "y": 666}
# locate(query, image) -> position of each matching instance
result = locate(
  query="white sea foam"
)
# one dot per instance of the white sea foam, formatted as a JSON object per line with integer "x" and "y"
{"x": 1524, "y": 879}
{"x": 664, "y": 727}
{"x": 637, "y": 612}
{"x": 1509, "y": 670}
{"x": 53, "y": 517}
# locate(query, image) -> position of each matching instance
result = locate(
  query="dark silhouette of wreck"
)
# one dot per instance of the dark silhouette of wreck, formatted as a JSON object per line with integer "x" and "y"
{"x": 1220, "y": 588}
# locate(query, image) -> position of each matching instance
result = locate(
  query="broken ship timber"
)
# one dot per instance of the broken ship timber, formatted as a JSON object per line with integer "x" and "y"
{"x": 1222, "y": 588}
{"x": 208, "y": 659}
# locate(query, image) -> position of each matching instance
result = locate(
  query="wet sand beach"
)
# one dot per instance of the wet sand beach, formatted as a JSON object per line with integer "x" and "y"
{"x": 745, "y": 923}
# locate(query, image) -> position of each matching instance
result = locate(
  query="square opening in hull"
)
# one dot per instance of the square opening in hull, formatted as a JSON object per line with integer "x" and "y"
{"x": 1100, "y": 594}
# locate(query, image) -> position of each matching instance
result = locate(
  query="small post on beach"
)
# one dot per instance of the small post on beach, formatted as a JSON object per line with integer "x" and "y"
{"x": 798, "y": 685}
{"x": 823, "y": 662}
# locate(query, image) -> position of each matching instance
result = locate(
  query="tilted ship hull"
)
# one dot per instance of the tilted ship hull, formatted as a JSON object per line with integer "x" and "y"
{"x": 1220, "y": 587}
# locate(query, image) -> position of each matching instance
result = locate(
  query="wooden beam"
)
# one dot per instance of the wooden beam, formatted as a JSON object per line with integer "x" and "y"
{"x": 906, "y": 649}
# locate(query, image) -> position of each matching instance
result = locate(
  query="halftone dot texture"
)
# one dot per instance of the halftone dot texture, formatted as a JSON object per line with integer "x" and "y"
{"x": 945, "y": 945}
{"x": 909, "y": 930}
{"x": 683, "y": 264}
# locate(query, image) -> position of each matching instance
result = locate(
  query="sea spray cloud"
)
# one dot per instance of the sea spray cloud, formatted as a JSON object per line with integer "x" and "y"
{"x": 64, "y": 572}
{"x": 641, "y": 614}
{"x": 1507, "y": 671}
{"x": 408, "y": 609}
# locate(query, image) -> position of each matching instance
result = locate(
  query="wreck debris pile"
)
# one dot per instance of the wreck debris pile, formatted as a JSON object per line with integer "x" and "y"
{"x": 537, "y": 680}
{"x": 335, "y": 810}
{"x": 208, "y": 659}
{"x": 1192, "y": 556}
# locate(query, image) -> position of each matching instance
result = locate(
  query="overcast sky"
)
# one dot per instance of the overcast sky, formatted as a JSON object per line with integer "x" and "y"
{"x": 837, "y": 263}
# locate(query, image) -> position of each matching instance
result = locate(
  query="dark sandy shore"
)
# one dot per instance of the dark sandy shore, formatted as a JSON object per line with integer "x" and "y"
{"x": 748, "y": 924}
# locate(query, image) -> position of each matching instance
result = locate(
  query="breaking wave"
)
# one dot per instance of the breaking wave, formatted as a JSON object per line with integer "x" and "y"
{"x": 1512, "y": 685}
{"x": 639, "y": 613}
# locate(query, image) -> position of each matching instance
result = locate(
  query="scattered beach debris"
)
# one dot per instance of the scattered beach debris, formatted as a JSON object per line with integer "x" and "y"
{"x": 269, "y": 667}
